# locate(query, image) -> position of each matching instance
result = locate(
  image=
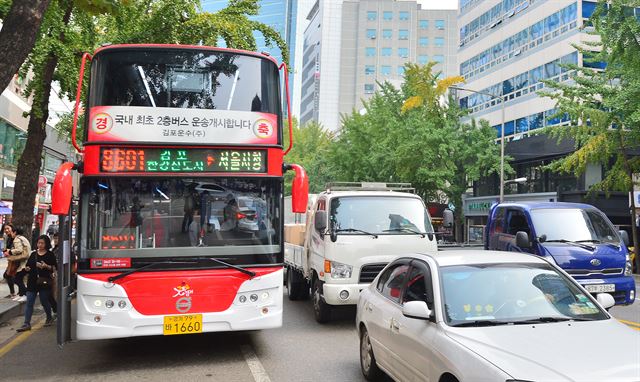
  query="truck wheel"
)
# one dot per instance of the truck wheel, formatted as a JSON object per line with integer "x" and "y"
{"x": 321, "y": 309}
{"x": 297, "y": 287}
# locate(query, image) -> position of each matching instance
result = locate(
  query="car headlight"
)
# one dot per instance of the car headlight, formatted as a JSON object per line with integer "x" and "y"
{"x": 627, "y": 267}
{"x": 340, "y": 271}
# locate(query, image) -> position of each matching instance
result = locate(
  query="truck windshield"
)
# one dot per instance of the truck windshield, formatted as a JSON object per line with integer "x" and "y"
{"x": 573, "y": 224}
{"x": 379, "y": 214}
{"x": 179, "y": 217}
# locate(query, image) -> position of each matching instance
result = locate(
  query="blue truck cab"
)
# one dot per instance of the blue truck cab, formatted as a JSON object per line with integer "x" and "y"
{"x": 577, "y": 237}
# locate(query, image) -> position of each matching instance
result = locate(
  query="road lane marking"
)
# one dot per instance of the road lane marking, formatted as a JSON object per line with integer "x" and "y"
{"x": 257, "y": 370}
{"x": 20, "y": 338}
{"x": 630, "y": 323}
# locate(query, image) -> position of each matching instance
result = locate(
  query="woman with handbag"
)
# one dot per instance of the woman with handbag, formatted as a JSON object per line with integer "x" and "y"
{"x": 40, "y": 267}
{"x": 17, "y": 257}
{"x": 11, "y": 270}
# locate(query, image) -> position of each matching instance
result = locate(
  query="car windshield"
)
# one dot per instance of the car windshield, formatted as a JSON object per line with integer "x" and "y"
{"x": 397, "y": 215}
{"x": 179, "y": 217}
{"x": 512, "y": 293}
{"x": 573, "y": 224}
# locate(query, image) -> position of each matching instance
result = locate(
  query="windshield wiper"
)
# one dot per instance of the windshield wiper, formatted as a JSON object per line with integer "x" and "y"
{"x": 597, "y": 241}
{"x": 404, "y": 229}
{"x": 576, "y": 243}
{"x": 356, "y": 230}
{"x": 482, "y": 323}
{"x": 150, "y": 265}
{"x": 245, "y": 271}
{"x": 550, "y": 319}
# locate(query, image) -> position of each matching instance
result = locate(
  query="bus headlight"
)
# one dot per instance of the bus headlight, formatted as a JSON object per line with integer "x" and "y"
{"x": 340, "y": 271}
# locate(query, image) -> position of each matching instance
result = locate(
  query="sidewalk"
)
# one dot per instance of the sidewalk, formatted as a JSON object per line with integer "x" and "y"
{"x": 8, "y": 309}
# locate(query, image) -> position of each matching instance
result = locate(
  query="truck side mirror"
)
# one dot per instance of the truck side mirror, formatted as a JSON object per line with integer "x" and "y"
{"x": 447, "y": 218}
{"x": 625, "y": 237}
{"x": 299, "y": 189}
{"x": 320, "y": 221}
{"x": 522, "y": 240}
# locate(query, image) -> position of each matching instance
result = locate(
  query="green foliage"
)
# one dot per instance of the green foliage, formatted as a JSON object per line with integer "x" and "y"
{"x": 5, "y": 5}
{"x": 311, "y": 144}
{"x": 411, "y": 135}
{"x": 604, "y": 106}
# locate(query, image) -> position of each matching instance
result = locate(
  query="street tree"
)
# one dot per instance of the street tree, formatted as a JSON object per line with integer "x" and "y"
{"x": 604, "y": 105}
{"x": 73, "y": 27}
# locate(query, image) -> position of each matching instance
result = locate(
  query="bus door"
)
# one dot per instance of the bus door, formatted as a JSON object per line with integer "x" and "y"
{"x": 65, "y": 285}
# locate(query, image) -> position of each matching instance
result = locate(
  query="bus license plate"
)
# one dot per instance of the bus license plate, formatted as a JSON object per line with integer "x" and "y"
{"x": 184, "y": 324}
{"x": 599, "y": 288}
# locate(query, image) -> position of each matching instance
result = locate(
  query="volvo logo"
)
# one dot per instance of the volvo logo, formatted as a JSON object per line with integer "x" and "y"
{"x": 183, "y": 305}
{"x": 595, "y": 262}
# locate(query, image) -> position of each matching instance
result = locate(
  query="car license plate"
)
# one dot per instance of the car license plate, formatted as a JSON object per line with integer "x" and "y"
{"x": 184, "y": 324}
{"x": 599, "y": 288}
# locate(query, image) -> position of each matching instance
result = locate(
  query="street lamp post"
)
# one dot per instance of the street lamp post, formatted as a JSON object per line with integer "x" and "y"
{"x": 502, "y": 101}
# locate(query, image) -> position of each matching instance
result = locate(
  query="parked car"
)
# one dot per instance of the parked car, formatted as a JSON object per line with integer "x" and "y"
{"x": 490, "y": 316}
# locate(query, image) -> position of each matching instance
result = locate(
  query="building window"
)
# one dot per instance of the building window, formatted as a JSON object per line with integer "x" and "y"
{"x": 385, "y": 70}
{"x": 371, "y": 33}
{"x": 370, "y": 52}
{"x": 401, "y": 70}
{"x": 403, "y": 34}
{"x": 387, "y": 15}
{"x": 423, "y": 24}
{"x": 439, "y": 41}
{"x": 440, "y": 24}
{"x": 424, "y": 41}
{"x": 386, "y": 33}
{"x": 403, "y": 52}
{"x": 438, "y": 58}
{"x": 369, "y": 70}
{"x": 385, "y": 52}
{"x": 372, "y": 15}
{"x": 369, "y": 88}
{"x": 403, "y": 15}
{"x": 423, "y": 59}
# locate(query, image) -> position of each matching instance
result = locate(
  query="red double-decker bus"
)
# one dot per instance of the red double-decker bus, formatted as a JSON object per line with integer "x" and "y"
{"x": 180, "y": 197}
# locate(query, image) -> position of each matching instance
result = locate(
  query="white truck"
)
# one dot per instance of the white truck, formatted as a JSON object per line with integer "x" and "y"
{"x": 350, "y": 232}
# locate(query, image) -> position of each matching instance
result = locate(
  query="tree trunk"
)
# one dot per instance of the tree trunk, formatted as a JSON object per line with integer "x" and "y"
{"x": 26, "y": 186}
{"x": 18, "y": 35}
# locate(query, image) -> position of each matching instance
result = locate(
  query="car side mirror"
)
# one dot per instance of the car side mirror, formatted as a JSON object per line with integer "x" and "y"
{"x": 320, "y": 221}
{"x": 606, "y": 300}
{"x": 625, "y": 237}
{"x": 416, "y": 309}
{"x": 447, "y": 218}
{"x": 522, "y": 240}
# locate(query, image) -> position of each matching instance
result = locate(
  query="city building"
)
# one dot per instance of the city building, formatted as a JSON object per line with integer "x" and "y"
{"x": 350, "y": 46}
{"x": 283, "y": 16}
{"x": 506, "y": 48}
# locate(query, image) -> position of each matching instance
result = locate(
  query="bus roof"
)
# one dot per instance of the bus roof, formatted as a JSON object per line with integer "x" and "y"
{"x": 186, "y": 47}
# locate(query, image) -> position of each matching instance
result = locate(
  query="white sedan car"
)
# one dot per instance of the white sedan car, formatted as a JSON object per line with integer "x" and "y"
{"x": 489, "y": 316}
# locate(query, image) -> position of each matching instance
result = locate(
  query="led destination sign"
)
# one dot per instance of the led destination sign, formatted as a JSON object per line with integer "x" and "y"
{"x": 186, "y": 160}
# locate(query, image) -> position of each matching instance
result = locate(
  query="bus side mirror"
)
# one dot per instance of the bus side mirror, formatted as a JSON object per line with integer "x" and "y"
{"x": 62, "y": 189}
{"x": 320, "y": 222}
{"x": 447, "y": 218}
{"x": 522, "y": 240}
{"x": 299, "y": 189}
{"x": 625, "y": 237}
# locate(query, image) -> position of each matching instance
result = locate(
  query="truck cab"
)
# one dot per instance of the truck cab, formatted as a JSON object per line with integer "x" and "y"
{"x": 577, "y": 237}
{"x": 350, "y": 235}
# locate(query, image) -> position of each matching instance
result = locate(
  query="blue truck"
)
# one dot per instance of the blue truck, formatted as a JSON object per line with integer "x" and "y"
{"x": 577, "y": 237}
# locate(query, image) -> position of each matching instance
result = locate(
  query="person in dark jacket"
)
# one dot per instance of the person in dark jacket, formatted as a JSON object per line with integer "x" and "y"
{"x": 40, "y": 267}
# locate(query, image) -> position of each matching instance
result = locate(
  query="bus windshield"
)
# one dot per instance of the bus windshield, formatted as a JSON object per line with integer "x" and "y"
{"x": 380, "y": 215}
{"x": 185, "y": 78}
{"x": 178, "y": 217}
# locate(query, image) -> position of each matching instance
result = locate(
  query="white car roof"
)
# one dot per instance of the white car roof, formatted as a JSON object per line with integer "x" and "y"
{"x": 333, "y": 194}
{"x": 477, "y": 256}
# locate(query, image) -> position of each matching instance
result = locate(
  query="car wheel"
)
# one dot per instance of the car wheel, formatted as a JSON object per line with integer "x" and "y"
{"x": 321, "y": 309}
{"x": 368, "y": 363}
{"x": 297, "y": 287}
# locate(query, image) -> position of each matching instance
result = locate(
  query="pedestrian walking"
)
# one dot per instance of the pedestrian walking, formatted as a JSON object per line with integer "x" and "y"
{"x": 17, "y": 257}
{"x": 8, "y": 241}
{"x": 40, "y": 267}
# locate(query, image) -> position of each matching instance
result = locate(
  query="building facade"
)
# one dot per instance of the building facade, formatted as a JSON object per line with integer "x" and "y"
{"x": 350, "y": 46}
{"x": 506, "y": 49}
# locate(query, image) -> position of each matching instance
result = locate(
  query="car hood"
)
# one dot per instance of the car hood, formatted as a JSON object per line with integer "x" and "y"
{"x": 565, "y": 351}
{"x": 571, "y": 257}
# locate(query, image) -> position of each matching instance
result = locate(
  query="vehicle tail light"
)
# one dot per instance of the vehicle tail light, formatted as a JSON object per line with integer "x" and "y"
{"x": 240, "y": 216}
